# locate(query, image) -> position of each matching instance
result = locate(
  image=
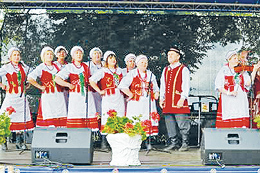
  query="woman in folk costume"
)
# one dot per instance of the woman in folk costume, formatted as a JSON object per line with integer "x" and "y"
{"x": 15, "y": 73}
{"x": 233, "y": 108}
{"x": 109, "y": 78}
{"x": 77, "y": 73}
{"x": 52, "y": 108}
{"x": 130, "y": 63}
{"x": 95, "y": 64}
{"x": 61, "y": 53}
{"x": 142, "y": 89}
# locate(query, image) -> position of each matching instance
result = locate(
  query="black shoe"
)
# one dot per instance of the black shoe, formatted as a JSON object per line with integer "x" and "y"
{"x": 171, "y": 147}
{"x": 184, "y": 147}
{"x": 4, "y": 147}
{"x": 18, "y": 146}
{"x": 24, "y": 147}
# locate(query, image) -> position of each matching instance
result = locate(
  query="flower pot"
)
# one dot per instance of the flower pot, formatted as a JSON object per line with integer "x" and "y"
{"x": 125, "y": 149}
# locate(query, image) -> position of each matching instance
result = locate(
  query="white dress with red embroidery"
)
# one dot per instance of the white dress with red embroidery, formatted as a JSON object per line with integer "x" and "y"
{"x": 77, "y": 112}
{"x": 52, "y": 109}
{"x": 113, "y": 98}
{"x": 15, "y": 97}
{"x": 233, "y": 111}
{"x": 139, "y": 105}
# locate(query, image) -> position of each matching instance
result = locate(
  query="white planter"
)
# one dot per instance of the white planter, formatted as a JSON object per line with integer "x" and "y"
{"x": 125, "y": 149}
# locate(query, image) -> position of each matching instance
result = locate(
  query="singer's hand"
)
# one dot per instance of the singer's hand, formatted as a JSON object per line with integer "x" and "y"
{"x": 102, "y": 92}
{"x": 233, "y": 93}
{"x": 162, "y": 103}
{"x": 42, "y": 88}
{"x": 156, "y": 95}
{"x": 256, "y": 66}
{"x": 131, "y": 95}
{"x": 180, "y": 103}
{"x": 27, "y": 86}
{"x": 71, "y": 86}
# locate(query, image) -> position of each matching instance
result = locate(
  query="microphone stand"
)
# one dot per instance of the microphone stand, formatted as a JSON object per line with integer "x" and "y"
{"x": 94, "y": 134}
{"x": 87, "y": 85}
{"x": 149, "y": 145}
{"x": 24, "y": 117}
{"x": 251, "y": 95}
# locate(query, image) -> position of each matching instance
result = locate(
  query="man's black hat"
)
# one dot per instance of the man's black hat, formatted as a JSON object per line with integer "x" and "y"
{"x": 175, "y": 49}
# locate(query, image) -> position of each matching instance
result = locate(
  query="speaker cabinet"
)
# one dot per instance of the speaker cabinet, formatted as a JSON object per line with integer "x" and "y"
{"x": 65, "y": 145}
{"x": 230, "y": 146}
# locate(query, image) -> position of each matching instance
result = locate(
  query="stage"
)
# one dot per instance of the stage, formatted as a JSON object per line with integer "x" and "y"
{"x": 154, "y": 161}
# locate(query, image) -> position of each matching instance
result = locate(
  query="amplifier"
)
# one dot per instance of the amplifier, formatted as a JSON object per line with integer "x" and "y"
{"x": 65, "y": 145}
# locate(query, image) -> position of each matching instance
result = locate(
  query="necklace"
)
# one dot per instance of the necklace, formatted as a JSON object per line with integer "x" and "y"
{"x": 16, "y": 67}
{"x": 143, "y": 80}
{"x": 18, "y": 71}
{"x": 98, "y": 66}
{"x": 140, "y": 77}
{"x": 47, "y": 66}
{"x": 115, "y": 77}
{"x": 78, "y": 67}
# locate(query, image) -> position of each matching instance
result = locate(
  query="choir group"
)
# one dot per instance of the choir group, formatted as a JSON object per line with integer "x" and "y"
{"x": 79, "y": 94}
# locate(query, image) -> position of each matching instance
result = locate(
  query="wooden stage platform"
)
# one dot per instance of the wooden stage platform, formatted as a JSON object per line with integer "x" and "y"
{"x": 154, "y": 161}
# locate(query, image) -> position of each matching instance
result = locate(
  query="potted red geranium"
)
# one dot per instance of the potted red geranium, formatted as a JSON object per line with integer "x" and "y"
{"x": 125, "y": 137}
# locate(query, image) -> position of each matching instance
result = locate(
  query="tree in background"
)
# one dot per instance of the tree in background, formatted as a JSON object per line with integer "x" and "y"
{"x": 149, "y": 34}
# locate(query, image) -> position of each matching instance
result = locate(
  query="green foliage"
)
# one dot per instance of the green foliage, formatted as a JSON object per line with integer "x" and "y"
{"x": 257, "y": 120}
{"x": 5, "y": 123}
{"x": 123, "y": 124}
{"x": 149, "y": 34}
{"x": 116, "y": 124}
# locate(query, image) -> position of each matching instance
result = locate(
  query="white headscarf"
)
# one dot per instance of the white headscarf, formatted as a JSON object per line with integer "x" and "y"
{"x": 95, "y": 49}
{"x": 45, "y": 49}
{"x": 139, "y": 57}
{"x": 74, "y": 49}
{"x": 130, "y": 56}
{"x": 59, "y": 48}
{"x": 107, "y": 53}
{"x": 230, "y": 54}
{"x": 10, "y": 51}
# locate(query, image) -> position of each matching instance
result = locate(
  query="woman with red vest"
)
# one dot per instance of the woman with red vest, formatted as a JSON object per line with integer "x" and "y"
{"x": 174, "y": 92}
{"x": 142, "y": 89}
{"x": 15, "y": 73}
{"x": 233, "y": 108}
{"x": 109, "y": 78}
{"x": 77, "y": 73}
{"x": 52, "y": 108}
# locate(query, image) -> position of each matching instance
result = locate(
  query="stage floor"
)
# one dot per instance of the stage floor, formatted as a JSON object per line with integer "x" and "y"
{"x": 102, "y": 159}
{"x": 154, "y": 161}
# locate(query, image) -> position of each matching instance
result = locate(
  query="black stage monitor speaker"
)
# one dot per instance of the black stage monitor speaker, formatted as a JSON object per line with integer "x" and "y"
{"x": 65, "y": 145}
{"x": 236, "y": 146}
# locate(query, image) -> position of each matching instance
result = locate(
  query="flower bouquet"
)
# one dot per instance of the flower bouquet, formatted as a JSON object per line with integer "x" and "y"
{"x": 125, "y": 125}
{"x": 125, "y": 137}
